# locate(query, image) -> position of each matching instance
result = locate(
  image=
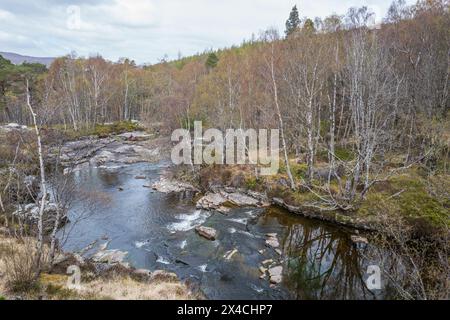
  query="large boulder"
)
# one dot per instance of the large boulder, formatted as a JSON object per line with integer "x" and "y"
{"x": 206, "y": 232}
{"x": 170, "y": 186}
{"x": 223, "y": 198}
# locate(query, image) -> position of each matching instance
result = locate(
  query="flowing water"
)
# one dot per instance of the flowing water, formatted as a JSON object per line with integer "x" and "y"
{"x": 158, "y": 232}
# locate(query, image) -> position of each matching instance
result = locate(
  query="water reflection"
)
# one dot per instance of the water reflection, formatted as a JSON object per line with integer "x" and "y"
{"x": 157, "y": 230}
{"x": 322, "y": 262}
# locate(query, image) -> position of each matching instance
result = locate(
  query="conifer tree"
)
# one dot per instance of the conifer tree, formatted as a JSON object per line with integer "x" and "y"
{"x": 293, "y": 23}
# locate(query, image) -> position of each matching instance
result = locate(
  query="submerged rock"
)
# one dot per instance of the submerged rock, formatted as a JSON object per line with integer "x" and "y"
{"x": 206, "y": 232}
{"x": 211, "y": 201}
{"x": 229, "y": 254}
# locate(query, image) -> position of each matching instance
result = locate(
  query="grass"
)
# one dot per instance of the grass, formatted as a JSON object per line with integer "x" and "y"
{"x": 410, "y": 195}
{"x": 53, "y": 286}
{"x": 101, "y": 130}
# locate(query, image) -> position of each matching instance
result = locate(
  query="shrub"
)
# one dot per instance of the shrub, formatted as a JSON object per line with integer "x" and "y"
{"x": 18, "y": 260}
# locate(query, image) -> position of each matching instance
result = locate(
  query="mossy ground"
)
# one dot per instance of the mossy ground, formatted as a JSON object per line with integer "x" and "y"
{"x": 101, "y": 130}
{"x": 411, "y": 194}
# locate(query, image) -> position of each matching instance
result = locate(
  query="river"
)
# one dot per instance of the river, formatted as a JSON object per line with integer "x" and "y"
{"x": 157, "y": 230}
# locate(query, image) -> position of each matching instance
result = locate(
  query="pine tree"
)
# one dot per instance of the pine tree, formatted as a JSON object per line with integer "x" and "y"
{"x": 308, "y": 26}
{"x": 212, "y": 60}
{"x": 293, "y": 23}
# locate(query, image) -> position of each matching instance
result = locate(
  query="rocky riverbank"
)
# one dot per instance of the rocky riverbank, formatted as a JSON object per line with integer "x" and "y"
{"x": 118, "y": 150}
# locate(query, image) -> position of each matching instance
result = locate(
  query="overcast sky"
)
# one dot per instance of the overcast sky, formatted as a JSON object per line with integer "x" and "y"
{"x": 146, "y": 30}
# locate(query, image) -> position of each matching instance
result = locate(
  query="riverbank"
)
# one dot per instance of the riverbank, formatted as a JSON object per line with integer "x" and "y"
{"x": 100, "y": 279}
{"x": 410, "y": 195}
{"x": 212, "y": 242}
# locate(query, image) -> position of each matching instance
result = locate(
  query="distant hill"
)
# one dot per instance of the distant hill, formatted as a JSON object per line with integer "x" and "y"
{"x": 19, "y": 59}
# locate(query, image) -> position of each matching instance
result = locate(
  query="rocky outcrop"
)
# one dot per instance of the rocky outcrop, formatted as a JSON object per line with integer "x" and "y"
{"x": 229, "y": 254}
{"x": 101, "y": 151}
{"x": 29, "y": 213}
{"x": 333, "y": 217}
{"x": 206, "y": 232}
{"x": 221, "y": 200}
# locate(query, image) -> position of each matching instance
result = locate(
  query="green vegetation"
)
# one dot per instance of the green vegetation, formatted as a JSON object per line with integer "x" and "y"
{"x": 409, "y": 195}
{"x": 102, "y": 130}
{"x": 212, "y": 60}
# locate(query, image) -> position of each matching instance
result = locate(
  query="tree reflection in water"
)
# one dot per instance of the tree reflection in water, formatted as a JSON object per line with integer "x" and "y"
{"x": 322, "y": 262}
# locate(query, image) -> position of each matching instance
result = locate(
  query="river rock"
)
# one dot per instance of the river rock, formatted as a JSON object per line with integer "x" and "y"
{"x": 206, "y": 232}
{"x": 170, "y": 186}
{"x": 358, "y": 239}
{"x": 79, "y": 259}
{"x": 109, "y": 256}
{"x": 276, "y": 279}
{"x": 223, "y": 210}
{"x": 211, "y": 201}
{"x": 217, "y": 200}
{"x": 272, "y": 241}
{"x": 229, "y": 254}
{"x": 275, "y": 274}
{"x": 242, "y": 200}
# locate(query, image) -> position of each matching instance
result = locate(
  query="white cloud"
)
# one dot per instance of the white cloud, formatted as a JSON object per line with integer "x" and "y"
{"x": 5, "y": 16}
{"x": 145, "y": 30}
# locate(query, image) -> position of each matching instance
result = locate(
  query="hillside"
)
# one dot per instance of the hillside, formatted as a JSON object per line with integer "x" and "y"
{"x": 19, "y": 59}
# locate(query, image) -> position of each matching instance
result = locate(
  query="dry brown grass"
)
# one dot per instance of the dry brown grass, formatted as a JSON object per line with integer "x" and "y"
{"x": 125, "y": 288}
{"x": 115, "y": 288}
{"x": 16, "y": 275}
{"x": 17, "y": 264}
